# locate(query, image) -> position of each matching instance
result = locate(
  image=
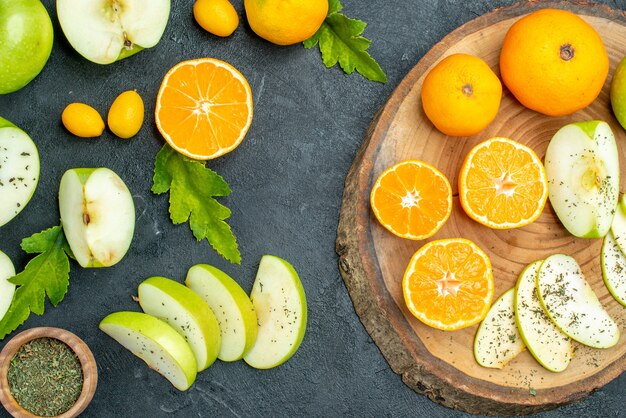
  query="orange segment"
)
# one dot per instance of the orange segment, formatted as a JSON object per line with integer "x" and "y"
{"x": 412, "y": 199}
{"x": 448, "y": 284}
{"x": 503, "y": 184}
{"x": 204, "y": 108}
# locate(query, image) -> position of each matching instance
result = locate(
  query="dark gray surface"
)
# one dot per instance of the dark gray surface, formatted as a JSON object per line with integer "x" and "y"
{"x": 287, "y": 180}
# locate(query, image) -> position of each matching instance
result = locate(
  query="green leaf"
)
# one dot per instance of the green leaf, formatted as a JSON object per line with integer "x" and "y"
{"x": 340, "y": 42}
{"x": 46, "y": 274}
{"x": 193, "y": 188}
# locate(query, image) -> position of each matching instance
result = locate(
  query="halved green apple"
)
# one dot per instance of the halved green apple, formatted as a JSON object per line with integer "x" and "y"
{"x": 497, "y": 339}
{"x": 547, "y": 344}
{"x": 232, "y": 308}
{"x": 186, "y": 312}
{"x": 572, "y": 305}
{"x": 159, "y": 345}
{"x": 582, "y": 166}
{"x": 7, "y": 289}
{"x": 280, "y": 304}
{"x": 614, "y": 268}
{"x": 104, "y": 31}
{"x": 98, "y": 215}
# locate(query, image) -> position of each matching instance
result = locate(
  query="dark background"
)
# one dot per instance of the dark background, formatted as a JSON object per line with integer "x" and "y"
{"x": 287, "y": 180}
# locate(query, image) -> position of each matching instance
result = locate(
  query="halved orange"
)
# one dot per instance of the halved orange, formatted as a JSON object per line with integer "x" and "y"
{"x": 412, "y": 199}
{"x": 204, "y": 108}
{"x": 503, "y": 184}
{"x": 448, "y": 284}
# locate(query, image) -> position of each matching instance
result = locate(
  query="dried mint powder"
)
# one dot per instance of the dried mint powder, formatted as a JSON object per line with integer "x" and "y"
{"x": 45, "y": 377}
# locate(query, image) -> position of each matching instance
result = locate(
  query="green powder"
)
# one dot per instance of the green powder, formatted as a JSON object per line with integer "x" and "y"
{"x": 45, "y": 377}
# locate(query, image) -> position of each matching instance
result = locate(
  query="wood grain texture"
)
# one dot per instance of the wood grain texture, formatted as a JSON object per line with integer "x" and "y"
{"x": 87, "y": 361}
{"x": 372, "y": 261}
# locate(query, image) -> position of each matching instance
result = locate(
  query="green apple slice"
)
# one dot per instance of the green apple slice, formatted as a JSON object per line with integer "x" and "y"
{"x": 104, "y": 31}
{"x": 618, "y": 227}
{"x": 614, "y": 268}
{"x": 98, "y": 215}
{"x": 280, "y": 304}
{"x": 159, "y": 345}
{"x": 582, "y": 166}
{"x": 547, "y": 344}
{"x": 186, "y": 312}
{"x": 19, "y": 170}
{"x": 7, "y": 289}
{"x": 497, "y": 339}
{"x": 232, "y": 307}
{"x": 572, "y": 305}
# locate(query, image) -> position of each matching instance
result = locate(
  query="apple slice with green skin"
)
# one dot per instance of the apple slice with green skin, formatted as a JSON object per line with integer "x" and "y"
{"x": 19, "y": 170}
{"x": 582, "y": 166}
{"x": 186, "y": 312}
{"x": 572, "y": 305}
{"x": 547, "y": 344}
{"x": 614, "y": 268}
{"x": 280, "y": 304}
{"x": 232, "y": 308}
{"x": 618, "y": 227}
{"x": 98, "y": 215}
{"x": 497, "y": 340}
{"x": 155, "y": 342}
{"x": 105, "y": 31}
{"x": 7, "y": 289}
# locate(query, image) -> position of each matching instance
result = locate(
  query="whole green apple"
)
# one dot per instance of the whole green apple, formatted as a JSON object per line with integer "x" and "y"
{"x": 25, "y": 42}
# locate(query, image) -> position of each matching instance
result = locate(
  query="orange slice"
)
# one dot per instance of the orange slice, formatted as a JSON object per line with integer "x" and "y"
{"x": 204, "y": 108}
{"x": 412, "y": 199}
{"x": 448, "y": 284}
{"x": 503, "y": 184}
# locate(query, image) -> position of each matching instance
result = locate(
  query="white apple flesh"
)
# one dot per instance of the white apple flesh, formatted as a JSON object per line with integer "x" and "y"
{"x": 98, "y": 215}
{"x": 280, "y": 304}
{"x": 582, "y": 166}
{"x": 19, "y": 170}
{"x": 104, "y": 31}
{"x": 497, "y": 340}
{"x": 232, "y": 308}
{"x": 186, "y": 312}
{"x": 547, "y": 344}
{"x": 159, "y": 345}
{"x": 7, "y": 289}
{"x": 572, "y": 305}
{"x": 614, "y": 268}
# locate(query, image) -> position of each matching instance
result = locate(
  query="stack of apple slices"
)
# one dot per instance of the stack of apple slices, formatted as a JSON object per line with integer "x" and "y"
{"x": 185, "y": 328}
{"x": 551, "y": 305}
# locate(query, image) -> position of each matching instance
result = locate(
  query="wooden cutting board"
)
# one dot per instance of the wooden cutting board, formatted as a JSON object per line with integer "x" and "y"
{"x": 372, "y": 261}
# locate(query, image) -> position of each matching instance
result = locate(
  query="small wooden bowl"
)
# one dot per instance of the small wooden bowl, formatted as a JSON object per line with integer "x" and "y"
{"x": 87, "y": 362}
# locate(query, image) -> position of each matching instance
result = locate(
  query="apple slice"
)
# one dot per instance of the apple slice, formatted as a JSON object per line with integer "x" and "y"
{"x": 19, "y": 170}
{"x": 232, "y": 307}
{"x": 582, "y": 166}
{"x": 618, "y": 227}
{"x": 98, "y": 215}
{"x": 547, "y": 344}
{"x": 572, "y": 305}
{"x": 159, "y": 345}
{"x": 280, "y": 304}
{"x": 497, "y": 339}
{"x": 186, "y": 312}
{"x": 104, "y": 31}
{"x": 7, "y": 289}
{"x": 614, "y": 268}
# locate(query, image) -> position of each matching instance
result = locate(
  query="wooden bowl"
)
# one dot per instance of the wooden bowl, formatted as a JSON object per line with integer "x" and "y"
{"x": 87, "y": 362}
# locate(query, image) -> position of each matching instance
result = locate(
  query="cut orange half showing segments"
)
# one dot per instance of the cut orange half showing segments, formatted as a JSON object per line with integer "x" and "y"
{"x": 448, "y": 284}
{"x": 412, "y": 199}
{"x": 503, "y": 184}
{"x": 204, "y": 108}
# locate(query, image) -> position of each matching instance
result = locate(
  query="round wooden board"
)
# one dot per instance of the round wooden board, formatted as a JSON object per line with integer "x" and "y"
{"x": 372, "y": 261}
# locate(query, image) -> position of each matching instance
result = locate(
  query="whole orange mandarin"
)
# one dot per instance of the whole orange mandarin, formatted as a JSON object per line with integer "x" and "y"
{"x": 461, "y": 95}
{"x": 553, "y": 62}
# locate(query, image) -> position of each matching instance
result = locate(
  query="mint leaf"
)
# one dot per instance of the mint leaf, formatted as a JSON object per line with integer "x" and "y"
{"x": 46, "y": 274}
{"x": 340, "y": 42}
{"x": 192, "y": 188}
